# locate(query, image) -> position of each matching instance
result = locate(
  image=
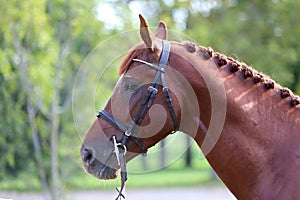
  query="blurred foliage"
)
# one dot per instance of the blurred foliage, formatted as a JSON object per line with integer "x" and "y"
{"x": 32, "y": 35}
{"x": 261, "y": 33}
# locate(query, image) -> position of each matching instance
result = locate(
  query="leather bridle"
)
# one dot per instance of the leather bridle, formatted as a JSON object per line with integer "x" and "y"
{"x": 130, "y": 130}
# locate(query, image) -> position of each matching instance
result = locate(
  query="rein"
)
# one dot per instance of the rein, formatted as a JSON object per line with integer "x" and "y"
{"x": 130, "y": 130}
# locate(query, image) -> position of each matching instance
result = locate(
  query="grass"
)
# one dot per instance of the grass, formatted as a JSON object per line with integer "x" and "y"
{"x": 153, "y": 176}
{"x": 169, "y": 178}
{"x": 162, "y": 178}
{"x": 175, "y": 174}
{"x": 23, "y": 182}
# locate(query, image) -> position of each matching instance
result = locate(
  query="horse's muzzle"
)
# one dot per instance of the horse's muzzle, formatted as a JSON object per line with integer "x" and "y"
{"x": 107, "y": 170}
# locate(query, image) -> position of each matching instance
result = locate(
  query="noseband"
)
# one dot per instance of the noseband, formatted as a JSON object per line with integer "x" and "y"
{"x": 130, "y": 131}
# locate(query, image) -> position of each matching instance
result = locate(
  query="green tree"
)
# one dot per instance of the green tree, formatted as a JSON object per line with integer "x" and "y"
{"x": 261, "y": 33}
{"x": 42, "y": 45}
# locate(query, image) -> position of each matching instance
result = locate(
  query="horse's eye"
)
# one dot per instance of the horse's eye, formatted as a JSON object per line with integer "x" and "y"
{"x": 130, "y": 85}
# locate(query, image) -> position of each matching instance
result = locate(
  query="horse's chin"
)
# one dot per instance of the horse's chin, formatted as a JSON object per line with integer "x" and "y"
{"x": 107, "y": 173}
{"x": 102, "y": 171}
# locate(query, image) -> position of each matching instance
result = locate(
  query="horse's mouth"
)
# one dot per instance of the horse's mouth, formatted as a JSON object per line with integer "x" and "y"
{"x": 107, "y": 173}
{"x": 101, "y": 171}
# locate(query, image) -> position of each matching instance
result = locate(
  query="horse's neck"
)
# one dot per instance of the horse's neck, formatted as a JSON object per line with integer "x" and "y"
{"x": 261, "y": 130}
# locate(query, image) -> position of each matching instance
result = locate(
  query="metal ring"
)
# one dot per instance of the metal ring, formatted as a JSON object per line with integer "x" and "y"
{"x": 123, "y": 146}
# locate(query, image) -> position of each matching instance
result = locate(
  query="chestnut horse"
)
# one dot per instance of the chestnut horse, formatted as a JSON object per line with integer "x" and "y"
{"x": 247, "y": 125}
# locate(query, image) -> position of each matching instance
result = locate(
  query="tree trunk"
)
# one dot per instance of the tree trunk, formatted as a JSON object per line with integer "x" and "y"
{"x": 55, "y": 121}
{"x": 144, "y": 163}
{"x": 188, "y": 153}
{"x": 54, "y": 130}
{"x": 56, "y": 193}
{"x": 37, "y": 149}
{"x": 162, "y": 154}
{"x": 22, "y": 66}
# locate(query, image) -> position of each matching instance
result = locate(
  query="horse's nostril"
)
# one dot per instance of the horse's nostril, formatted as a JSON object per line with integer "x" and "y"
{"x": 87, "y": 156}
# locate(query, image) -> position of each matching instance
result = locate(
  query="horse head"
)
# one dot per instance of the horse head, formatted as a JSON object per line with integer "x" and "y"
{"x": 132, "y": 120}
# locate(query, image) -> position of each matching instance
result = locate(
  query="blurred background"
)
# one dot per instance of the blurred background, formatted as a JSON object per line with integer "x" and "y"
{"x": 44, "y": 42}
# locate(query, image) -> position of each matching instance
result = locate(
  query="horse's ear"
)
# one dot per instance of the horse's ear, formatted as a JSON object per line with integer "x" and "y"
{"x": 162, "y": 31}
{"x": 145, "y": 33}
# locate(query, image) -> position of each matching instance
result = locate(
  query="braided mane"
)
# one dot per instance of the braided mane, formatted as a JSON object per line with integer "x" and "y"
{"x": 247, "y": 72}
{"x": 221, "y": 61}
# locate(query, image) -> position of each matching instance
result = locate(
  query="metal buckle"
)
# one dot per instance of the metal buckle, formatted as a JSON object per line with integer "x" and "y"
{"x": 116, "y": 149}
{"x": 152, "y": 89}
{"x": 165, "y": 88}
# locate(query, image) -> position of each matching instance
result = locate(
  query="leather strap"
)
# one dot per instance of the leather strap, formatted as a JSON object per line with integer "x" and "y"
{"x": 130, "y": 130}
